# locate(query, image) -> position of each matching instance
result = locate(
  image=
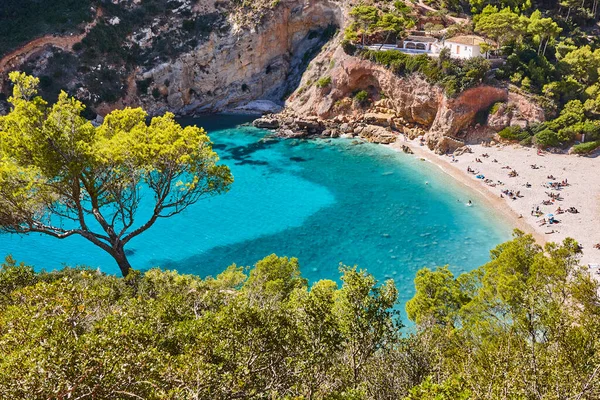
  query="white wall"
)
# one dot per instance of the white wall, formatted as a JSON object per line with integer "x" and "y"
{"x": 458, "y": 50}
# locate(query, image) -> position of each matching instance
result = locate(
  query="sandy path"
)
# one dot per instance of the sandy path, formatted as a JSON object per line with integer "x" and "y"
{"x": 582, "y": 193}
{"x": 16, "y": 57}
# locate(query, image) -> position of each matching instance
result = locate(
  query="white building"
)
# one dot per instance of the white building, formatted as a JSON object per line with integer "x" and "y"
{"x": 467, "y": 46}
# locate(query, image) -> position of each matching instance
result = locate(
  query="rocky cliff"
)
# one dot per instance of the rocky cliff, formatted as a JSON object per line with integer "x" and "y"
{"x": 400, "y": 104}
{"x": 204, "y": 56}
{"x": 231, "y": 70}
{"x": 183, "y": 56}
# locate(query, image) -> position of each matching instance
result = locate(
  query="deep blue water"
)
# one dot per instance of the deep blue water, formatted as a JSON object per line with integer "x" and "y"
{"x": 325, "y": 202}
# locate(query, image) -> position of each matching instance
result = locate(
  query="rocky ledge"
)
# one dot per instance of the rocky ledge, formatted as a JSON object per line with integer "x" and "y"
{"x": 379, "y": 126}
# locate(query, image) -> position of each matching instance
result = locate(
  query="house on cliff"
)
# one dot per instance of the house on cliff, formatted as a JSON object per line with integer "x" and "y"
{"x": 463, "y": 47}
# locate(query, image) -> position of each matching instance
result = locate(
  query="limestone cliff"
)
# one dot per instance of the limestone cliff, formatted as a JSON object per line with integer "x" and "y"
{"x": 410, "y": 100}
{"x": 185, "y": 56}
{"x": 204, "y": 56}
{"x": 230, "y": 70}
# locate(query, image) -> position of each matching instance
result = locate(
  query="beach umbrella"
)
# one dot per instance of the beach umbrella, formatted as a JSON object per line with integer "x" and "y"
{"x": 550, "y": 215}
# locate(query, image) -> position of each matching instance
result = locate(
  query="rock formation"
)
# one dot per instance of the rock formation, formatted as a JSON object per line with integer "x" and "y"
{"x": 397, "y": 103}
{"x": 231, "y": 70}
{"x": 248, "y": 58}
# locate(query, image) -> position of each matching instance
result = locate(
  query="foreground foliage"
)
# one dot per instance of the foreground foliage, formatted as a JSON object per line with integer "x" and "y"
{"x": 525, "y": 325}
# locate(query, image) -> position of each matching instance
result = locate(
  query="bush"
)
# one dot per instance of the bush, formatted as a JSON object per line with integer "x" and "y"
{"x": 586, "y": 148}
{"x": 23, "y": 20}
{"x": 348, "y": 47}
{"x": 528, "y": 141}
{"x": 567, "y": 134}
{"x": 324, "y": 82}
{"x": 362, "y": 98}
{"x": 547, "y": 137}
{"x": 454, "y": 76}
{"x": 143, "y": 85}
{"x": 514, "y": 132}
{"x": 495, "y": 107}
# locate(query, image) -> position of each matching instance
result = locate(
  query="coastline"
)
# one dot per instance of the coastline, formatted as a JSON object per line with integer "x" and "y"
{"x": 585, "y": 196}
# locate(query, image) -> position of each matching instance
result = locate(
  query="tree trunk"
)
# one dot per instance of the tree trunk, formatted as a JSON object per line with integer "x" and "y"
{"x": 386, "y": 39}
{"x": 121, "y": 259}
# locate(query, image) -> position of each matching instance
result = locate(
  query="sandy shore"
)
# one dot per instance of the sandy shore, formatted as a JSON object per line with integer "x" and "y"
{"x": 583, "y": 191}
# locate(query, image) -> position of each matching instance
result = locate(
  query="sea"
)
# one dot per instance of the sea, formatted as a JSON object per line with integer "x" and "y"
{"x": 328, "y": 202}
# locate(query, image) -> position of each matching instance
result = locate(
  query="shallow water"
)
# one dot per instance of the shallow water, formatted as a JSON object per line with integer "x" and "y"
{"x": 322, "y": 201}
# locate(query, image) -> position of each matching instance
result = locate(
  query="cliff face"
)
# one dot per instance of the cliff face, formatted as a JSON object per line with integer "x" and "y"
{"x": 230, "y": 70}
{"x": 410, "y": 100}
{"x": 187, "y": 57}
{"x": 204, "y": 56}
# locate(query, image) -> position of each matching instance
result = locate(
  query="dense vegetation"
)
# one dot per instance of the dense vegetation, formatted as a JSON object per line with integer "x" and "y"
{"x": 24, "y": 20}
{"x": 525, "y": 325}
{"x": 453, "y": 75}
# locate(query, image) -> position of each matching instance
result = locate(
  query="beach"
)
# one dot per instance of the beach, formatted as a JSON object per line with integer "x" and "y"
{"x": 582, "y": 191}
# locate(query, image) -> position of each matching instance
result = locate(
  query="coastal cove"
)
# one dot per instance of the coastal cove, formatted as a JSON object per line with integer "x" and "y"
{"x": 323, "y": 201}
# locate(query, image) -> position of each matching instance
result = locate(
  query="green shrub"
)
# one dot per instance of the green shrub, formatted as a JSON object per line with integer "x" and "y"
{"x": 567, "y": 134}
{"x": 155, "y": 93}
{"x": 453, "y": 75}
{"x": 23, "y": 20}
{"x": 495, "y": 107}
{"x": 143, "y": 85}
{"x": 362, "y": 97}
{"x": 547, "y": 137}
{"x": 189, "y": 25}
{"x": 348, "y": 47}
{"x": 324, "y": 82}
{"x": 526, "y": 83}
{"x": 514, "y": 132}
{"x": 585, "y": 148}
{"x": 528, "y": 141}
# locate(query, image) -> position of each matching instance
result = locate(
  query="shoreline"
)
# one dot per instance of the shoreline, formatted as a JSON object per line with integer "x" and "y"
{"x": 447, "y": 168}
{"x": 585, "y": 196}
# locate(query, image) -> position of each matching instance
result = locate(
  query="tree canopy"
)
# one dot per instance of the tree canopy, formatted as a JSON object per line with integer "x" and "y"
{"x": 524, "y": 325}
{"x": 62, "y": 176}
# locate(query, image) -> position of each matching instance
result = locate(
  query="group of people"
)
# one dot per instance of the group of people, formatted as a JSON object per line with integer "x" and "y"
{"x": 472, "y": 171}
{"x": 554, "y": 196}
{"x": 511, "y": 194}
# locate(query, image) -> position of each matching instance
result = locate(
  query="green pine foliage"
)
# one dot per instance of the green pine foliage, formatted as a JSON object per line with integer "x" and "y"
{"x": 524, "y": 325}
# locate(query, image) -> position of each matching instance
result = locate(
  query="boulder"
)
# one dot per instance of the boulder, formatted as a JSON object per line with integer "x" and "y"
{"x": 309, "y": 125}
{"x": 346, "y": 127}
{"x": 377, "y": 134}
{"x": 260, "y": 107}
{"x": 266, "y": 123}
{"x": 407, "y": 149}
{"x": 380, "y": 119}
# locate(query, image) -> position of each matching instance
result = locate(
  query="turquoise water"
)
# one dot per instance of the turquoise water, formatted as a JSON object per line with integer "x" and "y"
{"x": 322, "y": 201}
